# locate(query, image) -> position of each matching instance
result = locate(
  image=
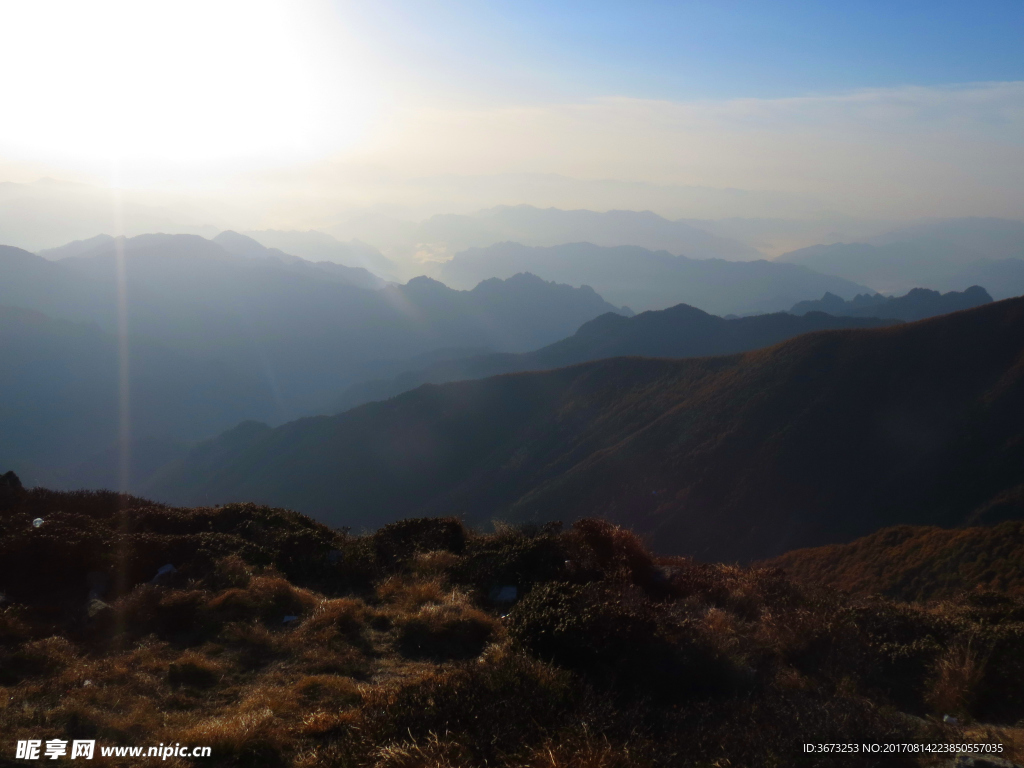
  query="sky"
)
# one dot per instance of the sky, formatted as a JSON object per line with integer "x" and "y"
{"x": 285, "y": 113}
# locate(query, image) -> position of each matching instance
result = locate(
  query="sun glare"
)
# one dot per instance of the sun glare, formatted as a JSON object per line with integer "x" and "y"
{"x": 164, "y": 84}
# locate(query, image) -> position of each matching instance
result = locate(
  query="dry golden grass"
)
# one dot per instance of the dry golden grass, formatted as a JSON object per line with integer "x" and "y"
{"x": 611, "y": 658}
{"x": 958, "y": 674}
{"x": 432, "y": 752}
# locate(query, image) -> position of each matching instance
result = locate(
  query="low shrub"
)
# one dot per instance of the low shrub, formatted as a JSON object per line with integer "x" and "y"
{"x": 494, "y": 709}
{"x": 247, "y": 740}
{"x": 346, "y": 617}
{"x": 999, "y": 689}
{"x": 396, "y": 543}
{"x": 616, "y": 635}
{"x": 328, "y": 689}
{"x": 442, "y": 632}
{"x": 193, "y": 670}
{"x": 37, "y": 658}
{"x": 607, "y": 657}
{"x": 511, "y": 557}
{"x": 267, "y": 598}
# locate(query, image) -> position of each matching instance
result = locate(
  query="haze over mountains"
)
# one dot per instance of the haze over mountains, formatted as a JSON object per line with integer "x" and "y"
{"x": 48, "y": 213}
{"x": 680, "y": 331}
{"x": 916, "y": 305}
{"x": 229, "y": 330}
{"x": 820, "y": 439}
{"x": 319, "y": 247}
{"x": 644, "y": 279}
{"x": 61, "y": 390}
{"x": 528, "y": 225}
{"x": 215, "y": 338}
{"x": 945, "y": 255}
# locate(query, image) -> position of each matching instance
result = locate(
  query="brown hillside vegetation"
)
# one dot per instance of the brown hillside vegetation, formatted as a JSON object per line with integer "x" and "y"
{"x": 406, "y": 648}
{"x": 818, "y": 440}
{"x": 917, "y": 563}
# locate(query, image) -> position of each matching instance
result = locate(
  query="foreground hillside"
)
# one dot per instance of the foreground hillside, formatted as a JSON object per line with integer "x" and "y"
{"x": 918, "y": 562}
{"x": 276, "y": 641}
{"x": 818, "y": 440}
{"x": 680, "y": 331}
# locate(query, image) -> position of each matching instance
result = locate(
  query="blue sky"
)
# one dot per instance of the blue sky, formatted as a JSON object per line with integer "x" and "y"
{"x": 695, "y": 50}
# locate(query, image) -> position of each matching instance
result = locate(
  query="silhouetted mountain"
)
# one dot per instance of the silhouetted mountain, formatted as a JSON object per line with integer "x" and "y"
{"x": 241, "y": 245}
{"x": 916, "y": 305}
{"x": 680, "y": 331}
{"x": 820, "y": 439}
{"x": 319, "y": 246}
{"x": 551, "y": 226}
{"x": 1005, "y": 279}
{"x": 308, "y": 334}
{"x": 60, "y": 387}
{"x": 644, "y": 279}
{"x": 919, "y": 562}
{"x": 972, "y": 238}
{"x": 77, "y": 248}
{"x": 946, "y": 255}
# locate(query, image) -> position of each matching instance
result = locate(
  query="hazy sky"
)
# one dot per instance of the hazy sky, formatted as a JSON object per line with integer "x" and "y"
{"x": 874, "y": 108}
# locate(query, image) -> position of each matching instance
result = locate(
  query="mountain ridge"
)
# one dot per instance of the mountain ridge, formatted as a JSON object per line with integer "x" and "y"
{"x": 644, "y": 279}
{"x": 819, "y": 439}
{"x": 680, "y": 331}
{"x": 917, "y": 304}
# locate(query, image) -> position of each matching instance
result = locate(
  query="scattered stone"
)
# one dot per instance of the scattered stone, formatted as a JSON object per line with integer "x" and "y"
{"x": 96, "y": 608}
{"x": 163, "y": 573}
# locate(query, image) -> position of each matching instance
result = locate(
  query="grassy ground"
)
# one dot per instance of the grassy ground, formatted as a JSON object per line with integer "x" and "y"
{"x": 402, "y": 656}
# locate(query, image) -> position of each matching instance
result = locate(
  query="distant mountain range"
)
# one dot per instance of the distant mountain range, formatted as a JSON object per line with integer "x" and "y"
{"x": 949, "y": 254}
{"x": 319, "y": 247}
{"x": 909, "y": 562}
{"x": 643, "y": 279}
{"x": 915, "y": 305}
{"x": 817, "y": 440}
{"x": 242, "y": 245}
{"x": 239, "y": 245}
{"x": 60, "y": 406}
{"x": 528, "y": 225}
{"x": 680, "y": 331}
{"x": 309, "y": 333}
{"x": 215, "y": 338}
